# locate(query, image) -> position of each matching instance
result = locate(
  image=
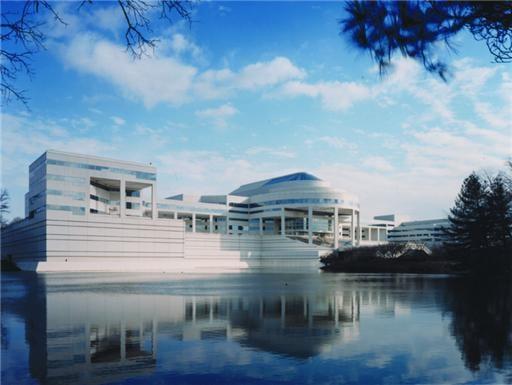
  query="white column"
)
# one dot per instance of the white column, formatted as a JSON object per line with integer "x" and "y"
{"x": 283, "y": 222}
{"x": 261, "y": 226}
{"x": 211, "y": 223}
{"x": 336, "y": 229}
{"x": 352, "y": 230}
{"x": 193, "y": 222}
{"x": 358, "y": 228}
{"x": 175, "y": 215}
{"x": 154, "y": 213}
{"x": 310, "y": 225}
{"x": 122, "y": 198}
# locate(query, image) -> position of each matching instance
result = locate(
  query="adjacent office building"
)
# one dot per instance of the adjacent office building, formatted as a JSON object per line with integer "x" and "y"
{"x": 85, "y": 212}
{"x": 429, "y": 232}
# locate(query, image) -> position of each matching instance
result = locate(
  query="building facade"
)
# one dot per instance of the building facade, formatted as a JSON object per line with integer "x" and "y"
{"x": 429, "y": 232}
{"x": 80, "y": 208}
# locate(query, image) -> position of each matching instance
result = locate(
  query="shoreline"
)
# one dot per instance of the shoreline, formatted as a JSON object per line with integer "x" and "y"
{"x": 401, "y": 259}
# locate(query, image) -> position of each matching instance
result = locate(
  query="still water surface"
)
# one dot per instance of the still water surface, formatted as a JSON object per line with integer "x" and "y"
{"x": 254, "y": 328}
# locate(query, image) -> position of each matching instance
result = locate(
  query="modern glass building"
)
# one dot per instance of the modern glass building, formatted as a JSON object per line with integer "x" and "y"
{"x": 80, "y": 208}
{"x": 429, "y": 232}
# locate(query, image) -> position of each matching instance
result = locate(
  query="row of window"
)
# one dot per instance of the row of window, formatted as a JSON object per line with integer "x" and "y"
{"x": 238, "y": 212}
{"x": 78, "y": 196}
{"x": 76, "y": 180}
{"x": 305, "y": 200}
{"x": 180, "y": 208}
{"x": 432, "y": 229}
{"x": 136, "y": 174}
{"x": 73, "y": 209}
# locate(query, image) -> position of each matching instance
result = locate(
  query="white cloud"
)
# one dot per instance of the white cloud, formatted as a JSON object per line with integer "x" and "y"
{"x": 157, "y": 137}
{"x": 165, "y": 79}
{"x": 335, "y": 96}
{"x": 213, "y": 84}
{"x": 107, "y": 18}
{"x": 279, "y": 152}
{"x": 333, "y": 142}
{"x": 181, "y": 45}
{"x": 378, "y": 163}
{"x": 263, "y": 74}
{"x": 218, "y": 116}
{"x": 493, "y": 116}
{"x": 152, "y": 79}
{"x": 117, "y": 120}
{"x": 210, "y": 172}
{"x": 426, "y": 181}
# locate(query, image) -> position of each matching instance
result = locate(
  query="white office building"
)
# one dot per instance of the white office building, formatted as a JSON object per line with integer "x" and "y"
{"x": 92, "y": 213}
{"x": 429, "y": 232}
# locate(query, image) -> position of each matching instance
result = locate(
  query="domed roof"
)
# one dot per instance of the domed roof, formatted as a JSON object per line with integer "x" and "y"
{"x": 261, "y": 186}
{"x": 291, "y": 177}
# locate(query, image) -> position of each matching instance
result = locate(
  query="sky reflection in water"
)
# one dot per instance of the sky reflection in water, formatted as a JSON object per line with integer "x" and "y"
{"x": 253, "y": 329}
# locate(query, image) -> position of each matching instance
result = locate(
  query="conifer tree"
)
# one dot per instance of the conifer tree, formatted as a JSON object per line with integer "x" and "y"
{"x": 469, "y": 219}
{"x": 499, "y": 207}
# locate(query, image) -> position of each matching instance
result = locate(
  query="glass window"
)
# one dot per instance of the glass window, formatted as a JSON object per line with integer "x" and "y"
{"x": 73, "y": 209}
{"x": 64, "y": 178}
{"x": 136, "y": 174}
{"x": 79, "y": 196}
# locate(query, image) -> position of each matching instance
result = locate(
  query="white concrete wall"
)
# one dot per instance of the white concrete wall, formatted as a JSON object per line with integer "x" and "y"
{"x": 25, "y": 241}
{"x": 67, "y": 242}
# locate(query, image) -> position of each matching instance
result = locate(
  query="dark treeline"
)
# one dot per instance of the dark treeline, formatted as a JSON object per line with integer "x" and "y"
{"x": 478, "y": 240}
{"x": 481, "y": 223}
{"x": 481, "y": 321}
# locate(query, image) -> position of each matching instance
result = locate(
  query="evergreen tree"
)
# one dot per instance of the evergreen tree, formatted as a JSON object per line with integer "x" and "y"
{"x": 4, "y": 206}
{"x": 469, "y": 219}
{"x": 499, "y": 207}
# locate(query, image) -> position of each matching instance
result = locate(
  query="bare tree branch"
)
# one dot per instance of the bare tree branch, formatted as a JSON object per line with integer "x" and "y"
{"x": 22, "y": 35}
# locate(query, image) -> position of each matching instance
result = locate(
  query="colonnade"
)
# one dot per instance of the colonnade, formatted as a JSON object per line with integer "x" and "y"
{"x": 336, "y": 224}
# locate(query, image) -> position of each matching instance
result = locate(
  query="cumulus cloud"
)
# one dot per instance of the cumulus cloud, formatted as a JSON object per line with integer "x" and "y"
{"x": 211, "y": 172}
{"x": 335, "y": 96}
{"x": 378, "y": 163}
{"x": 152, "y": 79}
{"x": 218, "y": 116}
{"x": 220, "y": 83}
{"x": 180, "y": 45}
{"x": 161, "y": 78}
{"x": 278, "y": 152}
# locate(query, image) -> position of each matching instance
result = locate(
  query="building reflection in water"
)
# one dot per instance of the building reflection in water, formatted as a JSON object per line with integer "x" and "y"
{"x": 87, "y": 334}
{"x": 93, "y": 337}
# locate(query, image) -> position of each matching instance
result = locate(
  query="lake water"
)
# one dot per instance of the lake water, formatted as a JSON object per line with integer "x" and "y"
{"x": 254, "y": 328}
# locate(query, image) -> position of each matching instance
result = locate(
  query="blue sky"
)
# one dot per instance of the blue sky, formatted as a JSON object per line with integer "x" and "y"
{"x": 255, "y": 90}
